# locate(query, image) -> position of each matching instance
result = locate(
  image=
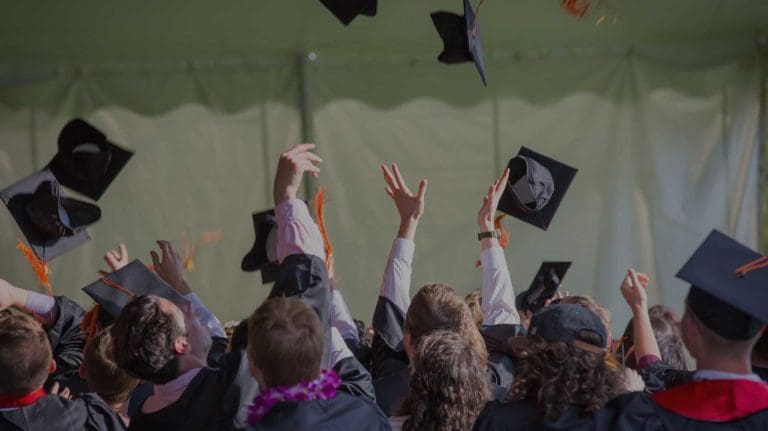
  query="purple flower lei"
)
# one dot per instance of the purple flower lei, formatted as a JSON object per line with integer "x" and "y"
{"x": 322, "y": 388}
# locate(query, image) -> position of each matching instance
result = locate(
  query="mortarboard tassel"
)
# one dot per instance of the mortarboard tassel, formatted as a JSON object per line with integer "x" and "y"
{"x": 41, "y": 268}
{"x": 504, "y": 240}
{"x": 319, "y": 202}
{"x": 190, "y": 252}
{"x": 90, "y": 323}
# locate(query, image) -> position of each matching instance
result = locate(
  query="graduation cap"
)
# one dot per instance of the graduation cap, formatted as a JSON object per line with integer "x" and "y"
{"x": 116, "y": 290}
{"x": 729, "y": 287}
{"x": 86, "y": 161}
{"x": 568, "y": 323}
{"x": 543, "y": 287}
{"x": 536, "y": 186}
{"x": 51, "y": 222}
{"x": 461, "y": 38}
{"x": 347, "y": 10}
{"x": 263, "y": 254}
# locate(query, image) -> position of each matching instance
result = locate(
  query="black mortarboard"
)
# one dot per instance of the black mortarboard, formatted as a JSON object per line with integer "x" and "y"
{"x": 116, "y": 290}
{"x": 543, "y": 287}
{"x": 347, "y": 10}
{"x": 729, "y": 287}
{"x": 461, "y": 38}
{"x": 263, "y": 254}
{"x": 86, "y": 161}
{"x": 536, "y": 186}
{"x": 567, "y": 323}
{"x": 52, "y": 223}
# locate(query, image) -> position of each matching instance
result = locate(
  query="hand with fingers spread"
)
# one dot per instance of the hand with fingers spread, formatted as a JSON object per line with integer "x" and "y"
{"x": 290, "y": 171}
{"x": 485, "y": 216}
{"x": 409, "y": 205}
{"x": 116, "y": 259}
{"x": 633, "y": 290}
{"x": 171, "y": 267}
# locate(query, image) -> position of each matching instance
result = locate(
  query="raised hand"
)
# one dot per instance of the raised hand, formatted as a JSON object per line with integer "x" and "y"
{"x": 633, "y": 290}
{"x": 410, "y": 206}
{"x": 490, "y": 202}
{"x": 116, "y": 259}
{"x": 11, "y": 296}
{"x": 290, "y": 171}
{"x": 171, "y": 267}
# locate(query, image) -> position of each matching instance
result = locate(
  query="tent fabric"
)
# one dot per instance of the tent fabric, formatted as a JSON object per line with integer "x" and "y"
{"x": 663, "y": 126}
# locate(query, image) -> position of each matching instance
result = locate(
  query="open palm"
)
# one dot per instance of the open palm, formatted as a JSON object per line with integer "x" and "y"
{"x": 409, "y": 205}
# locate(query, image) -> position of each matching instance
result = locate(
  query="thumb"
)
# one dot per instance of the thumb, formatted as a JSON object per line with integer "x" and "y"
{"x": 422, "y": 189}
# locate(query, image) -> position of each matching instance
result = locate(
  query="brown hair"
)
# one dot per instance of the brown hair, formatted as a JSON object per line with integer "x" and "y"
{"x": 285, "y": 341}
{"x": 25, "y": 355}
{"x": 104, "y": 377}
{"x": 449, "y": 385}
{"x": 555, "y": 375}
{"x": 474, "y": 301}
{"x": 590, "y": 304}
{"x": 436, "y": 306}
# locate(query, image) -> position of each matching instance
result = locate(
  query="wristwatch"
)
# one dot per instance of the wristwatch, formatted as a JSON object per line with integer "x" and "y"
{"x": 490, "y": 234}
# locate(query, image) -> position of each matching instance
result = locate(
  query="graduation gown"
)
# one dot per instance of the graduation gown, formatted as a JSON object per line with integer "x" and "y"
{"x": 523, "y": 416}
{"x": 707, "y": 405}
{"x": 390, "y": 365}
{"x": 54, "y": 413}
{"x": 343, "y": 412}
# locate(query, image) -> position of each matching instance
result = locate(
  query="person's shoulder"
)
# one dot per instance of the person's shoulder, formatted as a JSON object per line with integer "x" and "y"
{"x": 498, "y": 415}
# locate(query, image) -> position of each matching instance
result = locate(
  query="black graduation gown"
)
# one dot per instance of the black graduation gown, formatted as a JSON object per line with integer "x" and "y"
{"x": 390, "y": 365}
{"x": 67, "y": 337}
{"x": 702, "y": 406}
{"x": 659, "y": 376}
{"x": 762, "y": 372}
{"x": 524, "y": 416}
{"x": 54, "y": 413}
{"x": 342, "y": 413}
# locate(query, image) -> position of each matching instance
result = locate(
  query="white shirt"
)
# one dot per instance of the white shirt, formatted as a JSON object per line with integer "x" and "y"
{"x": 498, "y": 302}
{"x": 722, "y": 375}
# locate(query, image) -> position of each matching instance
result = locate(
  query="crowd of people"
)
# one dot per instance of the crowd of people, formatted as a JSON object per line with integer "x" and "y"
{"x": 153, "y": 357}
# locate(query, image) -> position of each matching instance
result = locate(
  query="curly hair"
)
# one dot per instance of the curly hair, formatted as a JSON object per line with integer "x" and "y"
{"x": 449, "y": 385}
{"x": 143, "y": 336}
{"x": 555, "y": 375}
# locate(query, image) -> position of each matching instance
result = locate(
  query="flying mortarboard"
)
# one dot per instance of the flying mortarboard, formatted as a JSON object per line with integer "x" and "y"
{"x": 347, "y": 10}
{"x": 536, "y": 186}
{"x": 461, "y": 38}
{"x": 116, "y": 290}
{"x": 543, "y": 287}
{"x": 86, "y": 161}
{"x": 263, "y": 254}
{"x": 52, "y": 223}
{"x": 729, "y": 286}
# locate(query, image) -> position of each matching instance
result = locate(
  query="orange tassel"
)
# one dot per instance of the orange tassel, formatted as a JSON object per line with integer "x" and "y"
{"x": 319, "y": 202}
{"x": 504, "y": 240}
{"x": 190, "y": 252}
{"x": 90, "y": 323}
{"x": 41, "y": 268}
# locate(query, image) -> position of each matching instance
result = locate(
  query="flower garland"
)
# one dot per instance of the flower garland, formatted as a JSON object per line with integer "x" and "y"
{"x": 322, "y": 388}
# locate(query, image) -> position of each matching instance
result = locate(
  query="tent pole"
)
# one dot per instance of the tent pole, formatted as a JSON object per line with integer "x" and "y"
{"x": 305, "y": 110}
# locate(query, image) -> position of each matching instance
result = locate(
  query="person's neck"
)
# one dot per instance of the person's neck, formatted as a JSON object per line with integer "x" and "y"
{"x": 121, "y": 408}
{"x": 740, "y": 365}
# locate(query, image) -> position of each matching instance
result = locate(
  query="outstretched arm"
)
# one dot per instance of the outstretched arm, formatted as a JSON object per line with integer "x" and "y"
{"x": 633, "y": 289}
{"x": 498, "y": 303}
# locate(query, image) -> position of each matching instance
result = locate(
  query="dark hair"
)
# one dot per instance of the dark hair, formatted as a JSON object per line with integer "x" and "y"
{"x": 475, "y": 303}
{"x": 239, "y": 340}
{"x": 555, "y": 375}
{"x": 436, "y": 306}
{"x": 25, "y": 355}
{"x": 670, "y": 344}
{"x": 449, "y": 384}
{"x": 285, "y": 341}
{"x": 143, "y": 337}
{"x": 363, "y": 333}
{"x": 104, "y": 377}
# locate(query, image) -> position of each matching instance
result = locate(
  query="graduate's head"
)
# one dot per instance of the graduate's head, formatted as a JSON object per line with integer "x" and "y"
{"x": 25, "y": 355}
{"x": 667, "y": 337}
{"x": 563, "y": 362}
{"x": 437, "y": 306}
{"x": 153, "y": 337}
{"x": 449, "y": 384}
{"x": 112, "y": 383}
{"x": 285, "y": 342}
{"x": 714, "y": 329}
{"x": 593, "y": 306}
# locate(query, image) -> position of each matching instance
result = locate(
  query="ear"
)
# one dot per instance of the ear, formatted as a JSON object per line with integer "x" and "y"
{"x": 408, "y": 344}
{"x": 52, "y": 368}
{"x": 181, "y": 346}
